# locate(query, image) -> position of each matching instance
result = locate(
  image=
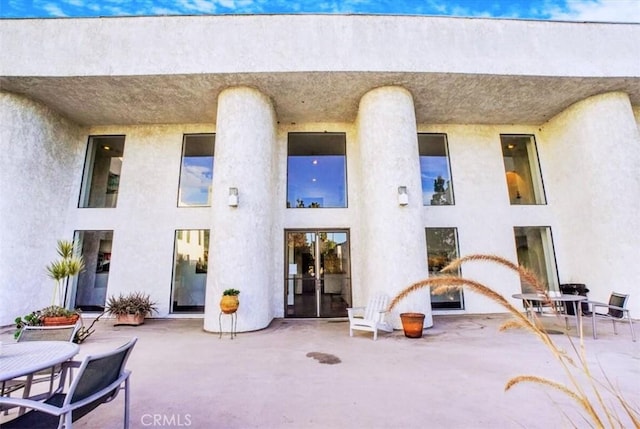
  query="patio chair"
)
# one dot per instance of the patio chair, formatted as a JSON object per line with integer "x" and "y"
{"x": 371, "y": 317}
{"x": 99, "y": 379}
{"x": 616, "y": 311}
{"x": 40, "y": 333}
{"x": 49, "y": 333}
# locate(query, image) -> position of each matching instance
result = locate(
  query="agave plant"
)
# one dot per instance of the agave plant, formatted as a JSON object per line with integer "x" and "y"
{"x": 137, "y": 303}
{"x": 60, "y": 270}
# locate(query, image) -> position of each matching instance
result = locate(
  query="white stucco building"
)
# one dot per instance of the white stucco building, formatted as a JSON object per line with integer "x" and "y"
{"x": 133, "y": 135}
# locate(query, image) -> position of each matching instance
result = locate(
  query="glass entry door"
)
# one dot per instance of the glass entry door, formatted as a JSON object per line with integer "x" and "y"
{"x": 318, "y": 274}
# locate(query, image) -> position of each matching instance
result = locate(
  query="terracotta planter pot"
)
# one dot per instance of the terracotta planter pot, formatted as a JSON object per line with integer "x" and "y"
{"x": 60, "y": 321}
{"x": 412, "y": 323}
{"x": 129, "y": 319}
{"x": 229, "y": 304}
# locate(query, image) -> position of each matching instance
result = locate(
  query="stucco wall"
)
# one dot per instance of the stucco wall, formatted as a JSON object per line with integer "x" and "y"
{"x": 593, "y": 152}
{"x": 40, "y": 170}
{"x": 146, "y": 217}
{"x": 288, "y": 43}
{"x": 594, "y": 246}
{"x": 482, "y": 213}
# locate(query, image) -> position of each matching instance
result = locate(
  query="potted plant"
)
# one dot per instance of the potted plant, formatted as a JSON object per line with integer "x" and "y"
{"x": 130, "y": 309}
{"x": 229, "y": 302}
{"x": 55, "y": 315}
{"x": 60, "y": 270}
{"x": 49, "y": 316}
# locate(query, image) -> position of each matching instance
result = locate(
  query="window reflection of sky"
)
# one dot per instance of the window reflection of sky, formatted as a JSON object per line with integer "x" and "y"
{"x": 195, "y": 180}
{"x": 322, "y": 182}
{"x": 430, "y": 168}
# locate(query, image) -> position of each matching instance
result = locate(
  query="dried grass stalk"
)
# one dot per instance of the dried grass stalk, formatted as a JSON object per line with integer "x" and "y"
{"x": 446, "y": 283}
{"x": 580, "y": 399}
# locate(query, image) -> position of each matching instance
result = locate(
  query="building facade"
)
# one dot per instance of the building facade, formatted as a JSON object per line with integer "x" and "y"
{"x": 311, "y": 161}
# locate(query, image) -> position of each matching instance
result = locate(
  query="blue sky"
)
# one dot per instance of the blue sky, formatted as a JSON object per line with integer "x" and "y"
{"x": 567, "y": 10}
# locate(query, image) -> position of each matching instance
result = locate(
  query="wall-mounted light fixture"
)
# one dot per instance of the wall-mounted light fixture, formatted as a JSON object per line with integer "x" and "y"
{"x": 403, "y": 197}
{"x": 233, "y": 197}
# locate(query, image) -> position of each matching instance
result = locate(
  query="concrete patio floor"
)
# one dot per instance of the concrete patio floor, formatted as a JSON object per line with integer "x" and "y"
{"x": 288, "y": 376}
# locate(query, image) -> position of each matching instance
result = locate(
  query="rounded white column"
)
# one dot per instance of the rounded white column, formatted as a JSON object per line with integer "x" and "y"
{"x": 593, "y": 186}
{"x": 241, "y": 246}
{"x": 394, "y": 237}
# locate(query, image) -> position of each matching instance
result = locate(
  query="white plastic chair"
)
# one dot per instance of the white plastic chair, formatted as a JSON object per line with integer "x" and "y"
{"x": 371, "y": 317}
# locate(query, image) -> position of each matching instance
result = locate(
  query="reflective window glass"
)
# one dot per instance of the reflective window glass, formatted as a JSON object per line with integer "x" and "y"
{"x": 101, "y": 178}
{"x": 437, "y": 189}
{"x": 196, "y": 171}
{"x": 91, "y": 283}
{"x": 442, "y": 248}
{"x": 190, "y": 267}
{"x": 316, "y": 170}
{"x": 534, "y": 246}
{"x": 524, "y": 180}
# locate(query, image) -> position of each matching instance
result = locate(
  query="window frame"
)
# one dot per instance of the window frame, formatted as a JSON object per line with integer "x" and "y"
{"x": 204, "y": 243}
{"x": 536, "y": 185}
{"x": 86, "y": 186}
{"x": 185, "y": 138}
{"x": 450, "y": 189}
{"x": 439, "y": 305}
{"x": 342, "y": 152}
{"x": 552, "y": 280}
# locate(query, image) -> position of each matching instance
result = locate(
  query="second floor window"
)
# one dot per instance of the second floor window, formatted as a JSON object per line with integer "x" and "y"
{"x": 524, "y": 179}
{"x": 316, "y": 170}
{"x": 196, "y": 171}
{"x": 437, "y": 189}
{"x": 101, "y": 178}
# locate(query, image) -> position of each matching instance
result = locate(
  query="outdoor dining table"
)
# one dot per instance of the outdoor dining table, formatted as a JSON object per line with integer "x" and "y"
{"x": 27, "y": 358}
{"x": 20, "y": 359}
{"x": 538, "y": 299}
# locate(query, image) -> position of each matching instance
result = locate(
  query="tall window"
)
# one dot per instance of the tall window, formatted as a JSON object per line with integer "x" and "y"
{"x": 534, "y": 246}
{"x": 437, "y": 189}
{"x": 442, "y": 248}
{"x": 522, "y": 169}
{"x": 101, "y": 179}
{"x": 190, "y": 266}
{"x": 196, "y": 172}
{"x": 316, "y": 170}
{"x": 91, "y": 286}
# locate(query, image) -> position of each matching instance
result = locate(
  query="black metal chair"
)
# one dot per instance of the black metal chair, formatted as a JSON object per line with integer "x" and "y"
{"x": 99, "y": 379}
{"x": 616, "y": 312}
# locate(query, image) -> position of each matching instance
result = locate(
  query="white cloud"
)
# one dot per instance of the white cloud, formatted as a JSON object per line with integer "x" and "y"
{"x": 598, "y": 10}
{"x": 53, "y": 10}
{"x": 197, "y": 6}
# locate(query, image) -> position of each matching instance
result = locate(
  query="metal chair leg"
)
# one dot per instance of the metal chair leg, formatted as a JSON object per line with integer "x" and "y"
{"x": 633, "y": 334}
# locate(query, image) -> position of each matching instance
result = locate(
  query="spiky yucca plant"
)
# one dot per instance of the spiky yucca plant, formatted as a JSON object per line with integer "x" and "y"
{"x": 60, "y": 270}
{"x": 599, "y": 411}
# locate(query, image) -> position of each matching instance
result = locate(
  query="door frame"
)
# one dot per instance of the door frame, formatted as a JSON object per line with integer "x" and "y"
{"x": 318, "y": 268}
